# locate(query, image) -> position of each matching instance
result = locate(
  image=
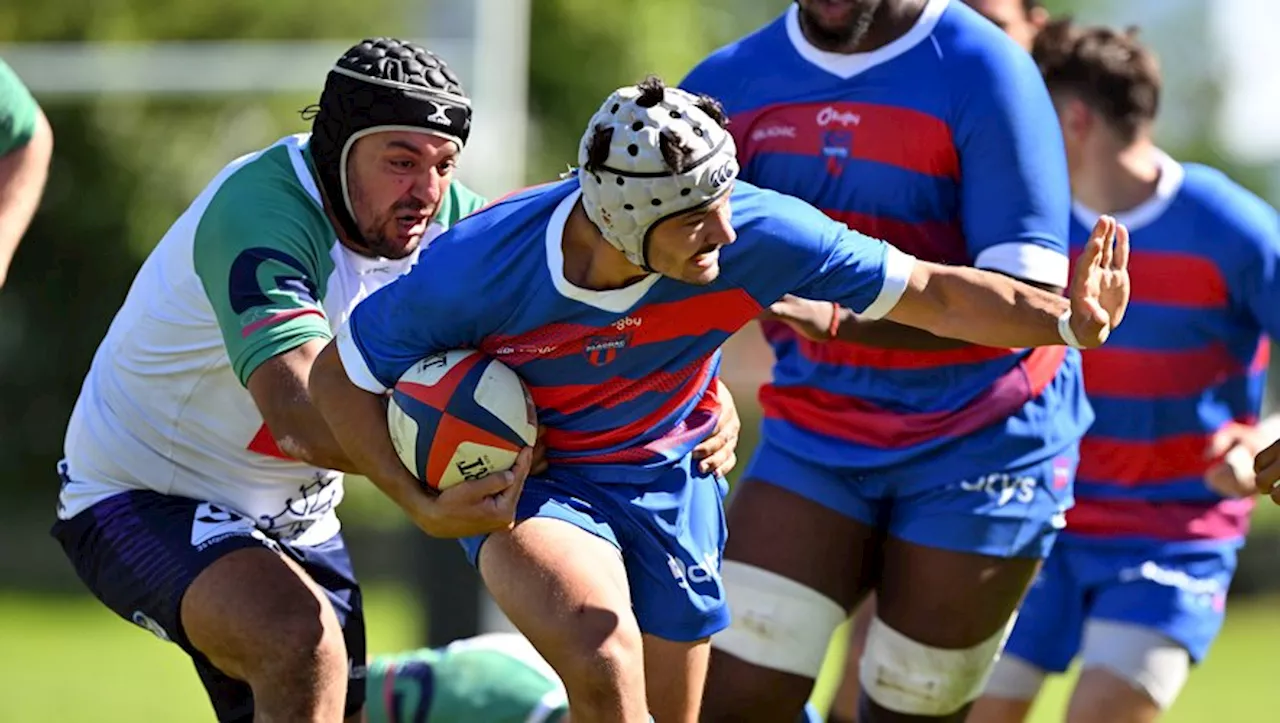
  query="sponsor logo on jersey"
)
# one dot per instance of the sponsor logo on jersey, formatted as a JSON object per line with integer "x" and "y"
{"x": 764, "y": 133}
{"x": 603, "y": 349}
{"x": 832, "y": 116}
{"x": 837, "y": 148}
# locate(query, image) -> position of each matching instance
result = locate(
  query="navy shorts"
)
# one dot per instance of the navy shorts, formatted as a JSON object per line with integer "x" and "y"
{"x": 138, "y": 552}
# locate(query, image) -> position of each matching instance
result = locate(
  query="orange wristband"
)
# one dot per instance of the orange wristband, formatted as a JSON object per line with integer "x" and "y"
{"x": 835, "y": 321}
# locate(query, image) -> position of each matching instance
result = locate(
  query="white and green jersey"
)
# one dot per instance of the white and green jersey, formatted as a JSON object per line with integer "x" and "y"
{"x": 494, "y": 678}
{"x": 251, "y": 269}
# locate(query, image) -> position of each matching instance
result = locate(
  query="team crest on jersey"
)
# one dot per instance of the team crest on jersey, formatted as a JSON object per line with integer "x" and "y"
{"x": 837, "y": 148}
{"x": 604, "y": 348}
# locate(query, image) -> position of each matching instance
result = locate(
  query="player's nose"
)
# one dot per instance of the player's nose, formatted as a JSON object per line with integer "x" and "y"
{"x": 722, "y": 231}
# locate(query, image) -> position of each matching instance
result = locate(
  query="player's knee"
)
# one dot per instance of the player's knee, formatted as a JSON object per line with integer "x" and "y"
{"x": 1127, "y": 668}
{"x": 601, "y": 650}
{"x": 765, "y": 661}
{"x": 908, "y": 677}
{"x": 778, "y": 624}
{"x": 256, "y": 618}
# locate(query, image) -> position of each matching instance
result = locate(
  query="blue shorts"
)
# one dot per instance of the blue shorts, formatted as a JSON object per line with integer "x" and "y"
{"x": 670, "y": 531}
{"x": 1002, "y": 510}
{"x": 1180, "y": 593}
{"x": 135, "y": 552}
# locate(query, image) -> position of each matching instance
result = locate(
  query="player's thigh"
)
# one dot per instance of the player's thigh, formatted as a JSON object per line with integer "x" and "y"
{"x": 564, "y": 588}
{"x": 800, "y": 555}
{"x": 201, "y": 576}
{"x": 1047, "y": 632}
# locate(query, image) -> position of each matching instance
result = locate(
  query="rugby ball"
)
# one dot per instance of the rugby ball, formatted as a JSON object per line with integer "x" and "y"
{"x": 460, "y": 415}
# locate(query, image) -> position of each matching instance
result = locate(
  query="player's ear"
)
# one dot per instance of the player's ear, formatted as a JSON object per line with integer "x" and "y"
{"x": 1039, "y": 17}
{"x": 1077, "y": 118}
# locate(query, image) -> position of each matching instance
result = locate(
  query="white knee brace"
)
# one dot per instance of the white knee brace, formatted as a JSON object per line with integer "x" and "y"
{"x": 777, "y": 623}
{"x": 907, "y": 677}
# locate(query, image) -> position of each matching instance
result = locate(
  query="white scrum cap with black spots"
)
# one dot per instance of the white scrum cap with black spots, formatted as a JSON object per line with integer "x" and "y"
{"x": 634, "y": 188}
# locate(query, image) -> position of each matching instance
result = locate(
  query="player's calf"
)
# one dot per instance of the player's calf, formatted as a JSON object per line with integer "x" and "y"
{"x": 259, "y": 619}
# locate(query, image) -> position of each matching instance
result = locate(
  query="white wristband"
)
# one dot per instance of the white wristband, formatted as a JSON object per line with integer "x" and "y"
{"x": 1065, "y": 331}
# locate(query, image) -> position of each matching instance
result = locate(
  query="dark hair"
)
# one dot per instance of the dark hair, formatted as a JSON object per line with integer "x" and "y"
{"x": 675, "y": 153}
{"x": 1029, "y": 5}
{"x": 1107, "y": 69}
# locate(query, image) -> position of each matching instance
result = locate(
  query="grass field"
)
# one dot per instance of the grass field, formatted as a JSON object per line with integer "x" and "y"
{"x": 68, "y": 660}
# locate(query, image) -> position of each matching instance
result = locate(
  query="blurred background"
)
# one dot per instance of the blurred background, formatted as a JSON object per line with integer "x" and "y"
{"x": 148, "y": 99}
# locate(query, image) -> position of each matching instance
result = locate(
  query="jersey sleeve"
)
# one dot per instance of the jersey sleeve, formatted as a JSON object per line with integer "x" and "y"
{"x": 1015, "y": 196}
{"x": 258, "y": 257}
{"x": 18, "y": 111}
{"x": 433, "y": 308}
{"x": 829, "y": 261}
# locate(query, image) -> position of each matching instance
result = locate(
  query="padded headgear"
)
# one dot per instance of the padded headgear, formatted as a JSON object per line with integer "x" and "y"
{"x": 635, "y": 187}
{"x": 382, "y": 84}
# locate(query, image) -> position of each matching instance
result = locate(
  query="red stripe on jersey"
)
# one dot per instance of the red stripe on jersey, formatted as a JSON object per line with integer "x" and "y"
{"x": 576, "y": 441}
{"x": 885, "y": 134}
{"x": 1128, "y": 463}
{"x": 1174, "y": 279}
{"x": 574, "y": 398}
{"x": 278, "y": 317}
{"x": 1141, "y": 374}
{"x": 725, "y": 311}
{"x": 1169, "y": 521}
{"x": 941, "y": 242}
{"x": 866, "y": 424}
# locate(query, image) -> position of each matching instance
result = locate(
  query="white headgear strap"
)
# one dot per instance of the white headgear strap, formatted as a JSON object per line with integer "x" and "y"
{"x": 634, "y": 189}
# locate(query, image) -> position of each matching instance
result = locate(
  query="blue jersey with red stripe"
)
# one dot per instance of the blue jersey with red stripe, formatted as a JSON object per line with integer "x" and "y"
{"x": 1190, "y": 357}
{"x": 623, "y": 378}
{"x": 944, "y": 143}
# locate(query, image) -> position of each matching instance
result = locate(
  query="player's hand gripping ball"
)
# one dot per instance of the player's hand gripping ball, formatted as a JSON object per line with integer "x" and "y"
{"x": 460, "y": 415}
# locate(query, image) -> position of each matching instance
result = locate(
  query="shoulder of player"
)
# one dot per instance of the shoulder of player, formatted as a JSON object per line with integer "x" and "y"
{"x": 262, "y": 193}
{"x": 259, "y": 202}
{"x": 1232, "y": 211}
{"x": 727, "y": 69}
{"x": 974, "y": 52}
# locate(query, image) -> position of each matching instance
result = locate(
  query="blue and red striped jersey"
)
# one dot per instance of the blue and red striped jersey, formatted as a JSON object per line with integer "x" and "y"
{"x": 944, "y": 143}
{"x": 620, "y": 378}
{"x": 1190, "y": 357}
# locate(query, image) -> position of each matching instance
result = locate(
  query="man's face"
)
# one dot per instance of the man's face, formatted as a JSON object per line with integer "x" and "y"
{"x": 1012, "y": 17}
{"x": 396, "y": 181}
{"x": 686, "y": 247}
{"x": 837, "y": 25}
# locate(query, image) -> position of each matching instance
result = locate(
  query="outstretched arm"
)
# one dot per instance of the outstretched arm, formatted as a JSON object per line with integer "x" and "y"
{"x": 991, "y": 309}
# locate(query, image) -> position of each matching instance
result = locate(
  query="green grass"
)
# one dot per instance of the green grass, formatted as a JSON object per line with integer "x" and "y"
{"x": 68, "y": 660}
{"x": 1225, "y": 689}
